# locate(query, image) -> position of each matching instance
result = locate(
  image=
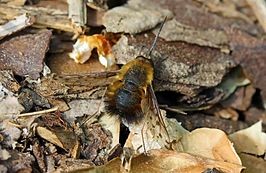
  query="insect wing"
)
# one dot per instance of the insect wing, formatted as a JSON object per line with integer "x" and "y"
{"x": 155, "y": 120}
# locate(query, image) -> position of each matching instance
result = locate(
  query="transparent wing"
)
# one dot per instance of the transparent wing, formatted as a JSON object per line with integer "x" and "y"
{"x": 150, "y": 132}
{"x": 155, "y": 120}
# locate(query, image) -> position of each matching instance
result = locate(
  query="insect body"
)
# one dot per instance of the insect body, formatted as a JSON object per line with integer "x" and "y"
{"x": 130, "y": 88}
{"x": 131, "y": 96}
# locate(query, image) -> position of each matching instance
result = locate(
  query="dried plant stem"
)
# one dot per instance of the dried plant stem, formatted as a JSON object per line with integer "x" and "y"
{"x": 38, "y": 112}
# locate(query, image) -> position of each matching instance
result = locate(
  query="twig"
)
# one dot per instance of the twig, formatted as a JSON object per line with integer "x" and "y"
{"x": 38, "y": 112}
{"x": 259, "y": 9}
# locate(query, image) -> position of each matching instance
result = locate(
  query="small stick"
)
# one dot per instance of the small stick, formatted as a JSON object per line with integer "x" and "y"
{"x": 37, "y": 112}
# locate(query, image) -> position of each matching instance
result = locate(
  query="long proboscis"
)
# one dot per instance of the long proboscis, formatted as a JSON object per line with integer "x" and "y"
{"x": 156, "y": 37}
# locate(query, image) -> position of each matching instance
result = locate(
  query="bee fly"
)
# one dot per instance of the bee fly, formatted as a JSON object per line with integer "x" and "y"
{"x": 132, "y": 87}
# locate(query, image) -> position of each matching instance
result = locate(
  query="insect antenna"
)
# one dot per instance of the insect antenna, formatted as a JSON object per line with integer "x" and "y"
{"x": 156, "y": 37}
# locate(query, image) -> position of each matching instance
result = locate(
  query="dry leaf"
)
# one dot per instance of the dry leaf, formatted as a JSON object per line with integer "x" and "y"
{"x": 4, "y": 154}
{"x": 112, "y": 124}
{"x": 11, "y": 133}
{"x": 251, "y": 140}
{"x": 49, "y": 136}
{"x": 79, "y": 108}
{"x": 209, "y": 143}
{"x": 158, "y": 161}
{"x": 9, "y": 104}
{"x": 252, "y": 163}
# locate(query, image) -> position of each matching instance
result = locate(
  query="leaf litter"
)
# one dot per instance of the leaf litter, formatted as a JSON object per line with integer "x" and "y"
{"x": 58, "y": 122}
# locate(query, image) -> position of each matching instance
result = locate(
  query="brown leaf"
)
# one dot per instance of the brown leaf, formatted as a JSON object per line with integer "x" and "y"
{"x": 252, "y": 163}
{"x": 49, "y": 136}
{"x": 158, "y": 161}
{"x": 24, "y": 54}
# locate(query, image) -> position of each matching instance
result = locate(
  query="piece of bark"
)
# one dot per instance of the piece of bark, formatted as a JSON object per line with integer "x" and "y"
{"x": 192, "y": 14}
{"x": 97, "y": 139}
{"x": 8, "y": 81}
{"x": 241, "y": 99}
{"x": 15, "y": 25}
{"x": 259, "y": 8}
{"x": 227, "y": 8}
{"x": 249, "y": 52}
{"x": 176, "y": 31}
{"x": 38, "y": 152}
{"x": 134, "y": 17}
{"x": 77, "y": 11}
{"x": 30, "y": 99}
{"x": 24, "y": 54}
{"x": 15, "y": 2}
{"x": 194, "y": 121}
{"x": 45, "y": 18}
{"x": 253, "y": 115}
{"x": 19, "y": 162}
{"x": 85, "y": 86}
{"x": 95, "y": 17}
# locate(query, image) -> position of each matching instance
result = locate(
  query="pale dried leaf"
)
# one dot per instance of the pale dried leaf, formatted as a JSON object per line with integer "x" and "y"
{"x": 251, "y": 140}
{"x": 4, "y": 154}
{"x": 49, "y": 136}
{"x": 209, "y": 143}
{"x": 11, "y": 132}
{"x": 79, "y": 108}
{"x": 112, "y": 124}
{"x": 9, "y": 104}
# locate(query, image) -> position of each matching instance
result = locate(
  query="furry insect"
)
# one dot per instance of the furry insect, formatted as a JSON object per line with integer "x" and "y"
{"x": 131, "y": 95}
{"x": 130, "y": 88}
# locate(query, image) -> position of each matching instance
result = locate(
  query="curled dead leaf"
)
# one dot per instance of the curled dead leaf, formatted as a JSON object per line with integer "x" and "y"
{"x": 209, "y": 143}
{"x": 158, "y": 161}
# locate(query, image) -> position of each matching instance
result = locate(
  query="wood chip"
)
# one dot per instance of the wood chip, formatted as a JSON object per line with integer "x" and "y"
{"x": 15, "y": 25}
{"x": 45, "y": 18}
